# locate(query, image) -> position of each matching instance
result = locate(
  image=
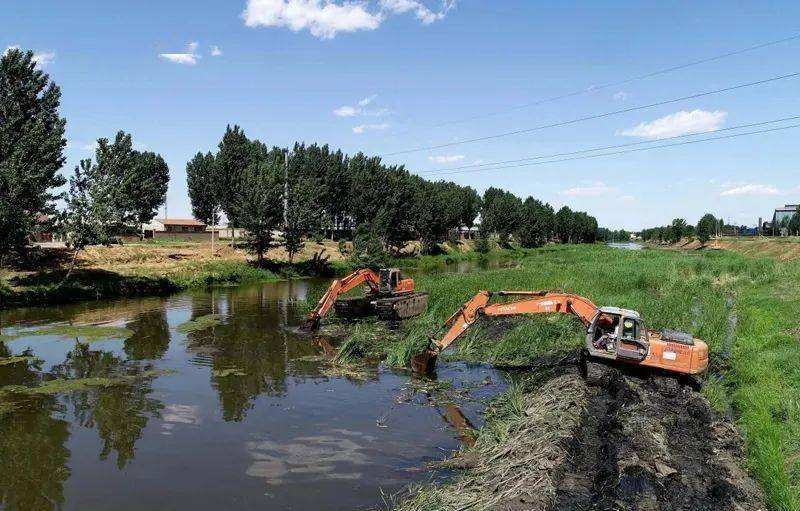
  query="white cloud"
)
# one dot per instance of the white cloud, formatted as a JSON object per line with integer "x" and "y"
{"x": 353, "y": 111}
{"x": 326, "y": 18}
{"x": 366, "y": 101}
{"x": 423, "y": 13}
{"x": 750, "y": 189}
{"x": 679, "y": 123}
{"x": 446, "y": 158}
{"x": 591, "y": 189}
{"x": 216, "y": 51}
{"x": 189, "y": 57}
{"x": 42, "y": 58}
{"x": 621, "y": 96}
{"x": 322, "y": 19}
{"x": 358, "y": 130}
{"x": 346, "y": 111}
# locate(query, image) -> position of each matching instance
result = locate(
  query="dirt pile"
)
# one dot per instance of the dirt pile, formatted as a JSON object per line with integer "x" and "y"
{"x": 627, "y": 443}
{"x": 653, "y": 444}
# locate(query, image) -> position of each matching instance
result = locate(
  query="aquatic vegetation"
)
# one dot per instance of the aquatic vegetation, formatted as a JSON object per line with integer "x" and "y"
{"x": 231, "y": 371}
{"x": 82, "y": 333}
{"x": 65, "y": 385}
{"x": 200, "y": 323}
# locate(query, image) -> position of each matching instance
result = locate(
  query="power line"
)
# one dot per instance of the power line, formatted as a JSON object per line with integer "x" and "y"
{"x": 449, "y": 170}
{"x": 614, "y": 153}
{"x": 595, "y": 116}
{"x": 625, "y": 81}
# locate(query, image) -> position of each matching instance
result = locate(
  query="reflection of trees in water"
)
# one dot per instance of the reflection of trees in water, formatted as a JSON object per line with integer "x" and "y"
{"x": 150, "y": 339}
{"x": 33, "y": 458}
{"x": 118, "y": 413}
{"x": 252, "y": 340}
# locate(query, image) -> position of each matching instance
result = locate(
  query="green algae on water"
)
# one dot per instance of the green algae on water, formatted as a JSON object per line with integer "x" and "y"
{"x": 222, "y": 373}
{"x": 64, "y": 385}
{"x": 83, "y": 333}
{"x": 200, "y": 323}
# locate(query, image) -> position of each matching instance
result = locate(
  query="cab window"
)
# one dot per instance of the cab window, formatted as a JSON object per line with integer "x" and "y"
{"x": 630, "y": 329}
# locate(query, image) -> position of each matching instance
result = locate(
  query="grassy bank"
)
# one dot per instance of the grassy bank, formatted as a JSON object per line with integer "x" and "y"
{"x": 155, "y": 269}
{"x": 754, "y": 375}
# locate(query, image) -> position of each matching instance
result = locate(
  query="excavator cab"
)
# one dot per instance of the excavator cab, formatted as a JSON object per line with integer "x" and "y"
{"x": 389, "y": 280}
{"x": 617, "y": 333}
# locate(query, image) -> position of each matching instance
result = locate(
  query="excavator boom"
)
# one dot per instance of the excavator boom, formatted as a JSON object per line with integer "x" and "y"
{"x": 613, "y": 334}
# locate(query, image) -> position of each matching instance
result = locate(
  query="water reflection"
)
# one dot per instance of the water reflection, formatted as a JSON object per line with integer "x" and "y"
{"x": 244, "y": 413}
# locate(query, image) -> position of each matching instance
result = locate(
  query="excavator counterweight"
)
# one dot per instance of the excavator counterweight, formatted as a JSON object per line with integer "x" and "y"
{"x": 386, "y": 294}
{"x": 613, "y": 334}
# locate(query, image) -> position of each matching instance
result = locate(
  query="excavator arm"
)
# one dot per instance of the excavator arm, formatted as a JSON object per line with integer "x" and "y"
{"x": 530, "y": 302}
{"x": 527, "y": 302}
{"x": 337, "y": 288}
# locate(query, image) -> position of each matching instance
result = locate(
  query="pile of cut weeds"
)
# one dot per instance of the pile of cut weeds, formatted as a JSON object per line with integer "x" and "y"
{"x": 556, "y": 443}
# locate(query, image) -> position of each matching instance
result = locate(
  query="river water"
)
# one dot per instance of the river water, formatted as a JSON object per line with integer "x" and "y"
{"x": 242, "y": 415}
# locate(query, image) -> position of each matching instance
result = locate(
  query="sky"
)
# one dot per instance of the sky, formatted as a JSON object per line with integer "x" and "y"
{"x": 388, "y": 76}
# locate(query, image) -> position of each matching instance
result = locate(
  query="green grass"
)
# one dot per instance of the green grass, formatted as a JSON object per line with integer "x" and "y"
{"x": 758, "y": 381}
{"x": 222, "y": 272}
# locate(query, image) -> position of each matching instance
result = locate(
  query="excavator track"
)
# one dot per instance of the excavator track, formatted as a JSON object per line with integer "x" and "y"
{"x": 401, "y": 307}
{"x": 353, "y": 307}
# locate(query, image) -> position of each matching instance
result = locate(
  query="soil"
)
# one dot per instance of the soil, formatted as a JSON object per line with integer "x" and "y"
{"x": 653, "y": 444}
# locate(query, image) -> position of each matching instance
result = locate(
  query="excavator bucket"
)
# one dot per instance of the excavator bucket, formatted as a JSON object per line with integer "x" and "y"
{"x": 425, "y": 362}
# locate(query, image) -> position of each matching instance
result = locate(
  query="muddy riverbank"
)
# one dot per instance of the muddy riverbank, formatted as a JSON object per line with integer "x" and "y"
{"x": 624, "y": 442}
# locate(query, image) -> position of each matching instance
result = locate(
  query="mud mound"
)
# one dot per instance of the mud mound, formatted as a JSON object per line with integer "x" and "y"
{"x": 629, "y": 443}
{"x": 653, "y": 444}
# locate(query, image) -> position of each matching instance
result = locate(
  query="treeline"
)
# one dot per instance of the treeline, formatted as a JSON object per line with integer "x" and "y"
{"x": 108, "y": 196}
{"x": 608, "y": 236}
{"x": 706, "y": 227}
{"x": 313, "y": 192}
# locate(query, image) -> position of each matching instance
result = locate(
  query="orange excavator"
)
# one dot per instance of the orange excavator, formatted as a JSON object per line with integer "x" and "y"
{"x": 613, "y": 334}
{"x": 387, "y": 295}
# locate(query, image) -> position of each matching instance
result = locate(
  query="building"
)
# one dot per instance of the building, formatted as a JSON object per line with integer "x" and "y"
{"x": 782, "y": 215}
{"x": 187, "y": 229}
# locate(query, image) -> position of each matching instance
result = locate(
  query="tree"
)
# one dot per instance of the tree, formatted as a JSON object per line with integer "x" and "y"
{"x": 147, "y": 183}
{"x": 706, "y": 227}
{"x": 88, "y": 218}
{"x": 501, "y": 213}
{"x": 536, "y": 225}
{"x": 563, "y": 224}
{"x": 201, "y": 180}
{"x": 236, "y": 153}
{"x": 794, "y": 224}
{"x": 259, "y": 210}
{"x": 31, "y": 148}
{"x": 133, "y": 185}
{"x": 677, "y": 230}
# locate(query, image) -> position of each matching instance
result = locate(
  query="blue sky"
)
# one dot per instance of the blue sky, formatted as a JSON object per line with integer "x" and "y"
{"x": 389, "y": 75}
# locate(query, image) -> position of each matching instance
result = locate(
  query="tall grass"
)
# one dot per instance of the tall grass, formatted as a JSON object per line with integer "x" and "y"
{"x": 759, "y": 380}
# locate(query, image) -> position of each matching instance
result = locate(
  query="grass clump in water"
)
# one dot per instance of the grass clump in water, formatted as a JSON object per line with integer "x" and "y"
{"x": 84, "y": 333}
{"x": 525, "y": 435}
{"x": 200, "y": 323}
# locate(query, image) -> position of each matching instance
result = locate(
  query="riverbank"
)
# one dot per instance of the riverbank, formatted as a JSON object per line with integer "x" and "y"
{"x": 746, "y": 309}
{"x": 779, "y": 248}
{"x": 159, "y": 268}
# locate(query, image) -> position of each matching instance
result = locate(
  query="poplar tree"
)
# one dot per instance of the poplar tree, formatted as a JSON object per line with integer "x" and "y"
{"x": 31, "y": 148}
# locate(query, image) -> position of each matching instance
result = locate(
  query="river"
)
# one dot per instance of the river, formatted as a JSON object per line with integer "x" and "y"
{"x": 241, "y": 415}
